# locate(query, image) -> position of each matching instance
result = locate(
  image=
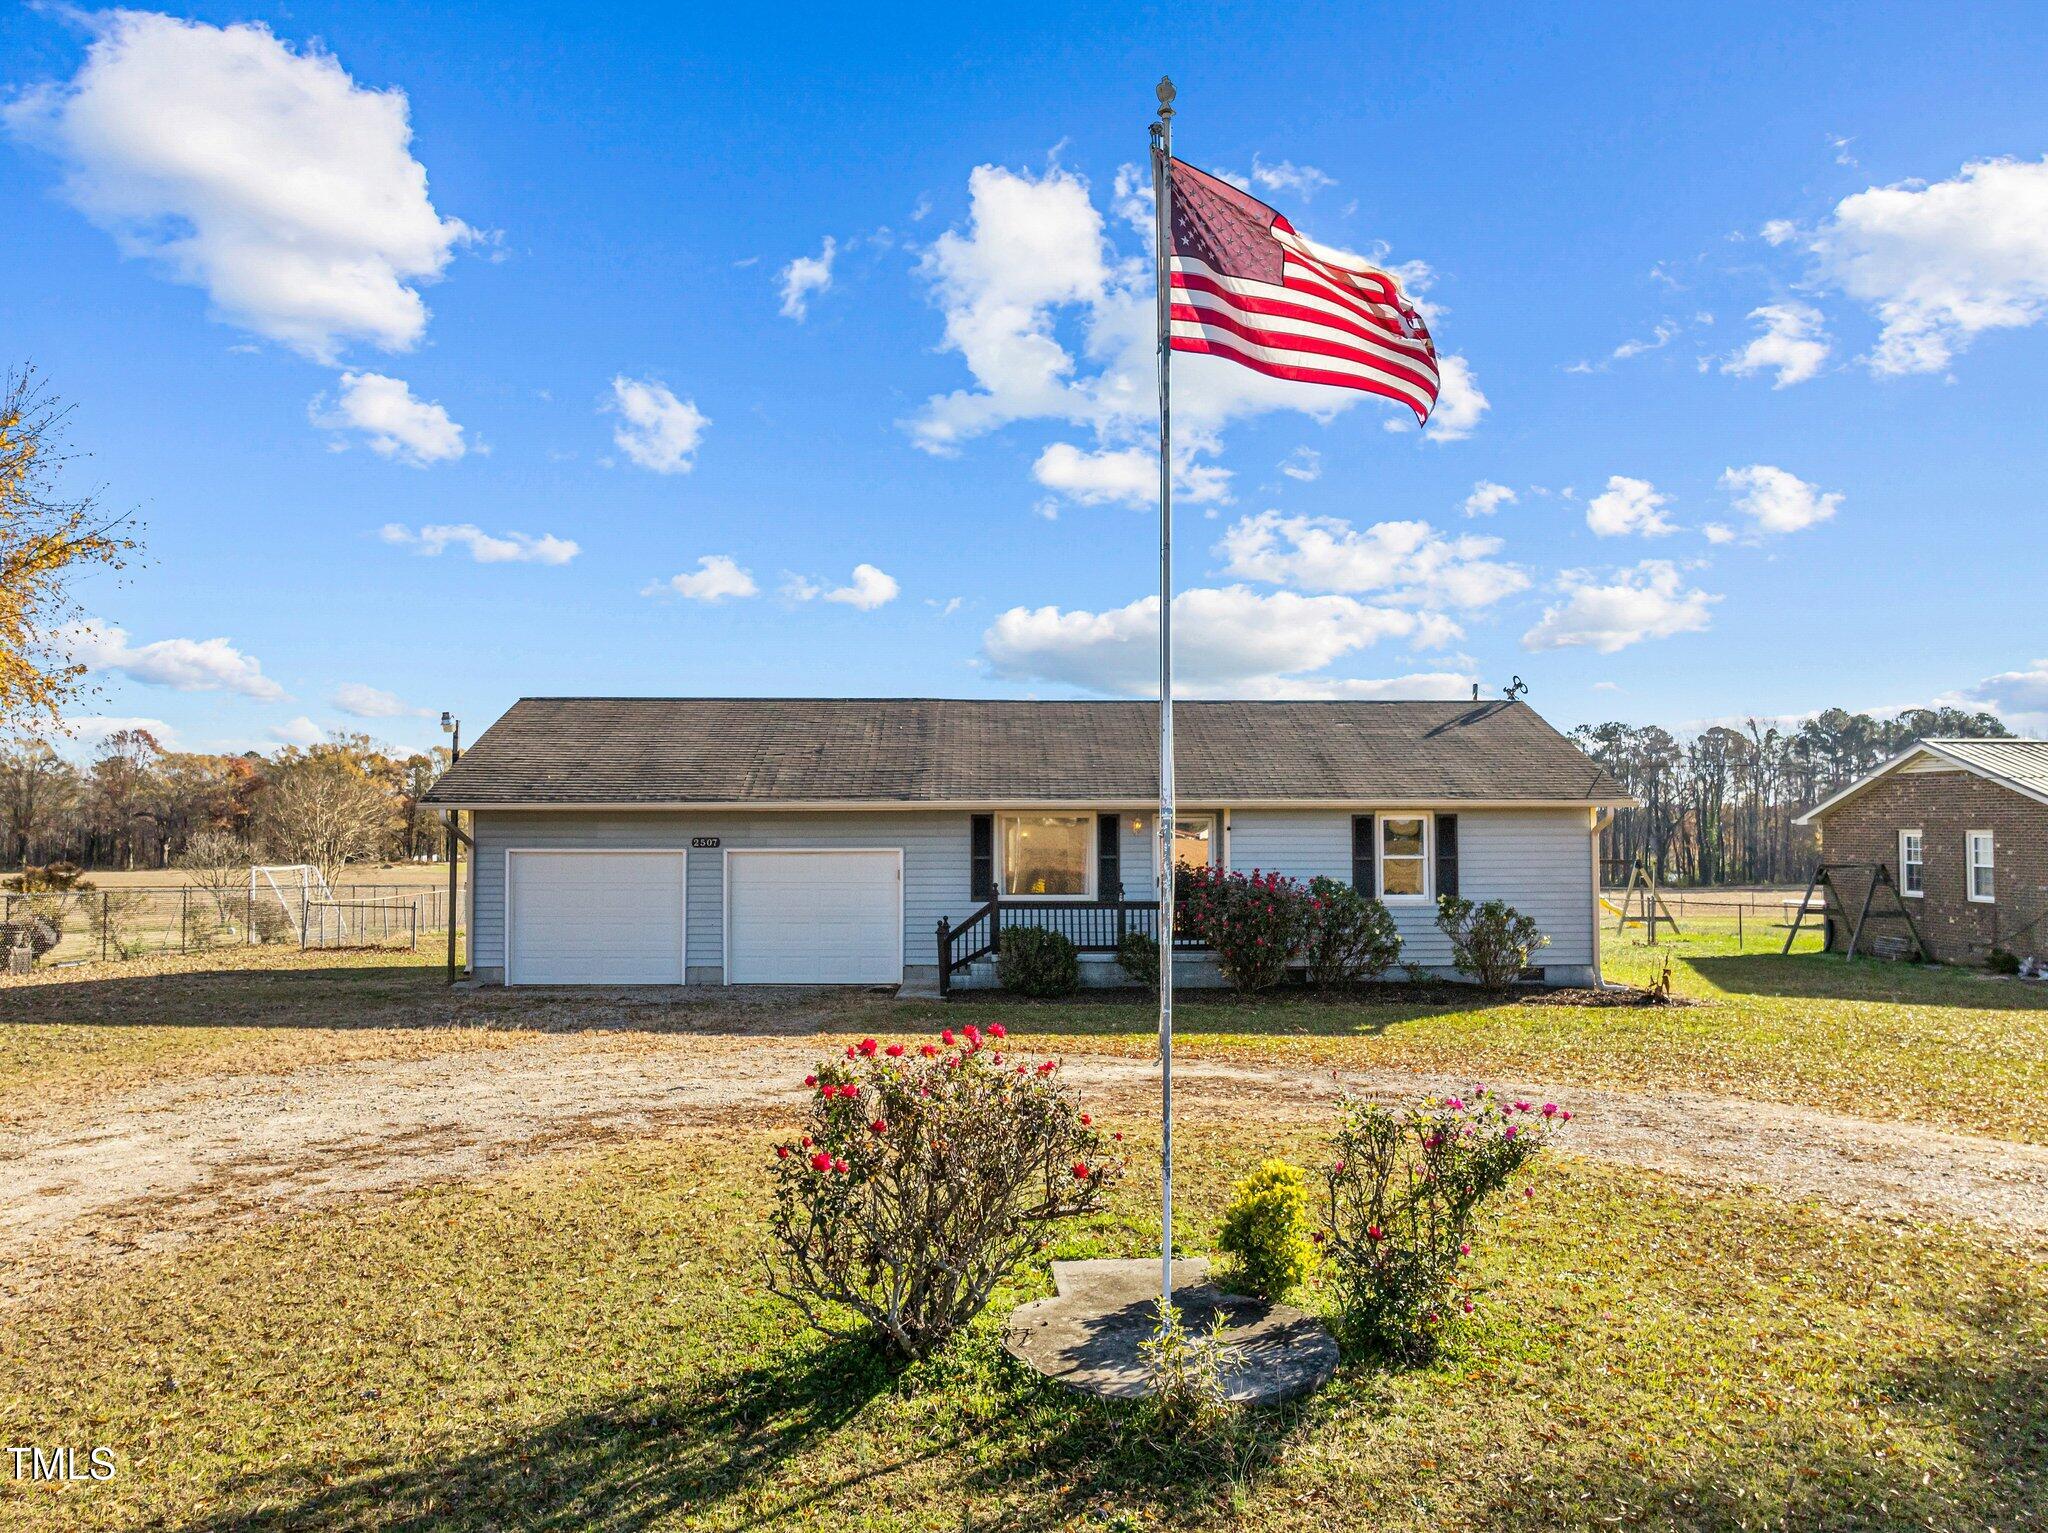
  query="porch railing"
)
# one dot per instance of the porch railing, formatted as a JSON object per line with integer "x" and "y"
{"x": 1093, "y": 926}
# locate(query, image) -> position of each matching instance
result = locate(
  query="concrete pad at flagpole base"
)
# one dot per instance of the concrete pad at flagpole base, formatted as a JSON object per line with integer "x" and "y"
{"x": 1087, "y": 1338}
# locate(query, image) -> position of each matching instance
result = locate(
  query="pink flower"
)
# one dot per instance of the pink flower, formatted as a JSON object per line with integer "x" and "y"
{"x": 1468, "y": 1306}
{"x": 1528, "y": 1192}
{"x": 1564, "y": 1114}
{"x": 1464, "y": 1248}
{"x": 1511, "y": 1132}
{"x": 1550, "y": 1109}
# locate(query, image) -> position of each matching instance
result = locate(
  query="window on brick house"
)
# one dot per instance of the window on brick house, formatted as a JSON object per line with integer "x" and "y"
{"x": 1982, "y": 885}
{"x": 1912, "y": 873}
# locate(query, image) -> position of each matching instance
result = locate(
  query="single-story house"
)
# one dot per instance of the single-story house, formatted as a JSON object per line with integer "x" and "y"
{"x": 711, "y": 841}
{"x": 1961, "y": 826}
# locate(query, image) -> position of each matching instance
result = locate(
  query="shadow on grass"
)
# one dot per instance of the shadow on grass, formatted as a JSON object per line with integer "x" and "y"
{"x": 647, "y": 1458}
{"x": 1829, "y": 976}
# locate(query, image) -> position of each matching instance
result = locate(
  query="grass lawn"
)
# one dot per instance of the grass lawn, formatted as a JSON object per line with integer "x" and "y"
{"x": 1944, "y": 1046}
{"x": 587, "y": 1343}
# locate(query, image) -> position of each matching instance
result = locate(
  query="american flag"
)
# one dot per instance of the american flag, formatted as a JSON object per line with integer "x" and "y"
{"x": 1247, "y": 287}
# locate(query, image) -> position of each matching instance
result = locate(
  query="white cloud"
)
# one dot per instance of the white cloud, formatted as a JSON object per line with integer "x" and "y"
{"x": 1405, "y": 561}
{"x": 261, "y": 174}
{"x": 656, "y": 430}
{"x": 807, "y": 275}
{"x": 1304, "y": 464}
{"x": 1229, "y": 641}
{"x": 301, "y": 731}
{"x": 361, "y": 701}
{"x": 868, "y": 589}
{"x": 396, "y": 424}
{"x": 1777, "y": 501}
{"x": 1939, "y": 263}
{"x": 484, "y": 547}
{"x": 1646, "y": 602}
{"x": 1487, "y": 498}
{"x": 2019, "y": 696}
{"x": 1718, "y": 532}
{"x": 1126, "y": 476}
{"x": 184, "y": 665}
{"x": 1794, "y": 344}
{"x": 716, "y": 578}
{"x": 83, "y": 731}
{"x": 1304, "y": 181}
{"x": 1459, "y": 402}
{"x": 1628, "y": 505}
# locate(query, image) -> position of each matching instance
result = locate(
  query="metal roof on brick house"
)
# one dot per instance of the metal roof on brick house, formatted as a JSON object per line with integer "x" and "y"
{"x": 2021, "y": 765}
{"x": 628, "y": 751}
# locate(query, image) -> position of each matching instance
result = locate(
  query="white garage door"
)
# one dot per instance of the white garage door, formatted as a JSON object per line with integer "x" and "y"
{"x": 814, "y": 918}
{"x": 594, "y": 918}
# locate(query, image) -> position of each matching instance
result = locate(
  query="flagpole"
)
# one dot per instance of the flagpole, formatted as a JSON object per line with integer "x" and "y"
{"x": 1162, "y": 218}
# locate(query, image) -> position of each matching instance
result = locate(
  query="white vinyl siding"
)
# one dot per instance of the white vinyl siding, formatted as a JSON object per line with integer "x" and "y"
{"x": 1538, "y": 860}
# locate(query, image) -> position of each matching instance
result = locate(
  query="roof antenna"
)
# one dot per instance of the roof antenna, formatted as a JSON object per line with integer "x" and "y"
{"x": 1516, "y": 690}
{"x": 1475, "y": 691}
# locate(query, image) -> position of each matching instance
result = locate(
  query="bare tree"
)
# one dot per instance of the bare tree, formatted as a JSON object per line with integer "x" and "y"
{"x": 218, "y": 863}
{"x": 323, "y": 809}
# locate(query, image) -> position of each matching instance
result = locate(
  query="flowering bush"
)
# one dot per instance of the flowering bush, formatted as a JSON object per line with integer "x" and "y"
{"x": 1267, "y": 1228}
{"x": 1403, "y": 1187}
{"x": 924, "y": 1175}
{"x": 1253, "y": 921}
{"x": 1350, "y": 938}
{"x": 1035, "y": 961}
{"x": 1492, "y": 942}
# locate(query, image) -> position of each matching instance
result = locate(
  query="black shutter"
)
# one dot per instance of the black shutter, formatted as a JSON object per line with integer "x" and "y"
{"x": 1109, "y": 858}
{"x": 981, "y": 857}
{"x": 1365, "y": 855}
{"x": 1446, "y": 855}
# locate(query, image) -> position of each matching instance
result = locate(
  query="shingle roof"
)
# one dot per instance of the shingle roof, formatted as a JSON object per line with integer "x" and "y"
{"x": 2021, "y": 765}
{"x": 656, "y": 750}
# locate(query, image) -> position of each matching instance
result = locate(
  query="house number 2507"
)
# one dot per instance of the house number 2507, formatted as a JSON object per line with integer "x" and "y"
{"x": 703, "y": 841}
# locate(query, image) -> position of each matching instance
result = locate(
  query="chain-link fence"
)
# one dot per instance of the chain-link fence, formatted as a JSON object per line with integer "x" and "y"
{"x": 1757, "y": 919}
{"x": 106, "y": 924}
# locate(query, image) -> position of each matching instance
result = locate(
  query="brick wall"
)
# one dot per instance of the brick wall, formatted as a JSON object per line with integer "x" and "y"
{"x": 1945, "y": 807}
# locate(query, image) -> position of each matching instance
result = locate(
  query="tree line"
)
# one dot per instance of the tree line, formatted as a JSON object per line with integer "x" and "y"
{"x": 136, "y": 805}
{"x": 1718, "y": 808}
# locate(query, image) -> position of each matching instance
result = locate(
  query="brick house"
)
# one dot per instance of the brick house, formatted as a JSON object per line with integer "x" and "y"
{"x": 1962, "y": 827}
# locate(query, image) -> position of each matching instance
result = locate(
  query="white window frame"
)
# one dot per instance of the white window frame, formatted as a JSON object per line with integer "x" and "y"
{"x": 1215, "y": 832}
{"x": 1091, "y": 859}
{"x": 1428, "y": 894}
{"x": 1918, "y": 862}
{"x": 1971, "y": 865}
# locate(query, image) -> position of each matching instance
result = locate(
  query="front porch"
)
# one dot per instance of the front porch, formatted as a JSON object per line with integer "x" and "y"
{"x": 968, "y": 949}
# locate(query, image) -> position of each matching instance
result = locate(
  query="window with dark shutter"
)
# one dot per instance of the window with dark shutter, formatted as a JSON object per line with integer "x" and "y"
{"x": 1109, "y": 859}
{"x": 1446, "y": 855}
{"x": 1365, "y": 876}
{"x": 981, "y": 857}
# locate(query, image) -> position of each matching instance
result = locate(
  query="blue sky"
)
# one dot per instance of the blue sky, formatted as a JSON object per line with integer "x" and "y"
{"x": 434, "y": 343}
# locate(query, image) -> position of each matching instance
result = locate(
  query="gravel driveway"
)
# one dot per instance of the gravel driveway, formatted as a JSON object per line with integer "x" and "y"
{"x": 174, "y": 1162}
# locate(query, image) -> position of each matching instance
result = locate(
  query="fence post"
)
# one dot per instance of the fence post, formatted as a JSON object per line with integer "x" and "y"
{"x": 106, "y": 930}
{"x": 1738, "y": 928}
{"x": 184, "y": 926}
{"x": 945, "y": 955}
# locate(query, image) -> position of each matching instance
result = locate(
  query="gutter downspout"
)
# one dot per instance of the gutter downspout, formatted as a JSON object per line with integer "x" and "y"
{"x": 1602, "y": 818}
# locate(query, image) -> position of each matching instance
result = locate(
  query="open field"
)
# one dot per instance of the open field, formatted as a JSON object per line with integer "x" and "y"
{"x": 424, "y": 874}
{"x": 313, "y": 1242}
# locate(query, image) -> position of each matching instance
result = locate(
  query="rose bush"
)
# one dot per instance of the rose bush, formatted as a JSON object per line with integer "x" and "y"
{"x": 1402, "y": 1189}
{"x": 922, "y": 1178}
{"x": 1253, "y": 922}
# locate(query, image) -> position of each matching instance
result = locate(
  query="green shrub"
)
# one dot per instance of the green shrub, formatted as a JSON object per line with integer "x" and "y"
{"x": 1492, "y": 942}
{"x": 1035, "y": 961}
{"x": 1268, "y": 1230}
{"x": 1138, "y": 956}
{"x": 1184, "y": 1372}
{"x": 51, "y": 878}
{"x": 1350, "y": 938}
{"x": 1403, "y": 1187}
{"x": 2002, "y": 961}
{"x": 923, "y": 1176}
{"x": 1253, "y": 922}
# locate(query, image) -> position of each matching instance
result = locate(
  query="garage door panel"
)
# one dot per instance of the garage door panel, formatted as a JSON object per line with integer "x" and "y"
{"x": 814, "y": 918}
{"x": 596, "y": 918}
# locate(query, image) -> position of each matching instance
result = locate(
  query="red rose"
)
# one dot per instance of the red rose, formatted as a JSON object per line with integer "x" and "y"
{"x": 879, "y": 1126}
{"x": 839, "y": 1166}
{"x": 929, "y": 1051}
{"x": 1080, "y": 1172}
{"x": 894, "y": 1051}
{"x": 947, "y": 1037}
{"x": 1086, "y": 1120}
{"x": 810, "y": 1080}
{"x": 782, "y": 1152}
{"x": 868, "y": 1047}
{"x": 972, "y": 1034}
{"x": 997, "y": 1030}
{"x": 806, "y": 1141}
{"x": 1047, "y": 1068}
{"x": 821, "y": 1162}
{"x": 1374, "y": 1232}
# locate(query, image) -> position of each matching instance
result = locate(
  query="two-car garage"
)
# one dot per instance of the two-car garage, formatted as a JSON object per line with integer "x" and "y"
{"x": 790, "y": 916}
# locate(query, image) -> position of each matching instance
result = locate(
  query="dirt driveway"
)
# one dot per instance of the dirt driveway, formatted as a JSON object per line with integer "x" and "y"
{"x": 170, "y": 1163}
